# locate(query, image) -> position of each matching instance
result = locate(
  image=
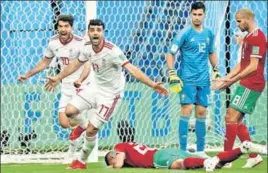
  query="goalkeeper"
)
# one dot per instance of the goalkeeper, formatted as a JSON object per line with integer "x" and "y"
{"x": 192, "y": 81}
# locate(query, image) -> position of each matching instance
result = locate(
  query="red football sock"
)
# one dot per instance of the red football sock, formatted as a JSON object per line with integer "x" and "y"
{"x": 193, "y": 162}
{"x": 230, "y": 135}
{"x": 76, "y": 133}
{"x": 229, "y": 156}
{"x": 243, "y": 135}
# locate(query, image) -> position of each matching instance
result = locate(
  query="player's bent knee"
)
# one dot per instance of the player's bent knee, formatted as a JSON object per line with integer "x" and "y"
{"x": 71, "y": 111}
{"x": 64, "y": 121}
{"x": 91, "y": 130}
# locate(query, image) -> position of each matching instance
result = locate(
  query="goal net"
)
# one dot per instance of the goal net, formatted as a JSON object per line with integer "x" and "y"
{"x": 143, "y": 30}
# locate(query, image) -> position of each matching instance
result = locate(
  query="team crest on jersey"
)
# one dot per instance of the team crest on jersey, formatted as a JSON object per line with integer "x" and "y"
{"x": 73, "y": 53}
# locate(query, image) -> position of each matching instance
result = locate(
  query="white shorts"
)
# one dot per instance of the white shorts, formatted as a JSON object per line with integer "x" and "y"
{"x": 67, "y": 93}
{"x": 92, "y": 98}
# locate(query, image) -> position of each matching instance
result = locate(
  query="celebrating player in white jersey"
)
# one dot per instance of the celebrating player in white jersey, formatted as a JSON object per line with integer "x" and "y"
{"x": 66, "y": 47}
{"x": 107, "y": 61}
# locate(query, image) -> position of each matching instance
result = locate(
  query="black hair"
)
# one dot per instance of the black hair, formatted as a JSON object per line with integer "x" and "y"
{"x": 106, "y": 158}
{"x": 66, "y": 18}
{"x": 198, "y": 5}
{"x": 97, "y": 22}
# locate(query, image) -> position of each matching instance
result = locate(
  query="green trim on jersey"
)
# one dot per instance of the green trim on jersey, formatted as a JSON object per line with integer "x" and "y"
{"x": 163, "y": 158}
{"x": 244, "y": 100}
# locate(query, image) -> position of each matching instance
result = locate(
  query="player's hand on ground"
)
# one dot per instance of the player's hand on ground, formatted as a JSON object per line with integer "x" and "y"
{"x": 77, "y": 83}
{"x": 160, "y": 89}
{"x": 51, "y": 83}
{"x": 22, "y": 78}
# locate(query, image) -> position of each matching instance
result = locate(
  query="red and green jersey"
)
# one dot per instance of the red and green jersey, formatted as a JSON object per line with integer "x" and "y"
{"x": 137, "y": 155}
{"x": 254, "y": 45}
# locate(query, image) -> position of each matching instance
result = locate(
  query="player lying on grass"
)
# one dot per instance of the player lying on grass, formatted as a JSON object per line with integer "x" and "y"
{"x": 136, "y": 155}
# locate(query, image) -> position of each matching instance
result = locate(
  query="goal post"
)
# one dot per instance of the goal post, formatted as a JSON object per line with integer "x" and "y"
{"x": 30, "y": 131}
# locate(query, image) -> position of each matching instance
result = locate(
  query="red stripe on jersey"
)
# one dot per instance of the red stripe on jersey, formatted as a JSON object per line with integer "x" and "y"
{"x": 109, "y": 47}
{"x": 55, "y": 37}
{"x": 109, "y": 44}
{"x": 125, "y": 64}
{"x": 77, "y": 38}
{"x": 112, "y": 108}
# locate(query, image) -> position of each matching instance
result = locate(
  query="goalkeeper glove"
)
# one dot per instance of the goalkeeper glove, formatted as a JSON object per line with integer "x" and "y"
{"x": 175, "y": 82}
{"x": 215, "y": 73}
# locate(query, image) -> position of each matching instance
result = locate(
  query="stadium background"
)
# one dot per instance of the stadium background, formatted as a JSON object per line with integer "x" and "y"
{"x": 142, "y": 29}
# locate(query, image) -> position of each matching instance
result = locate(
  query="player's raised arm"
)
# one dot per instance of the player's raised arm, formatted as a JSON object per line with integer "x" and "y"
{"x": 138, "y": 74}
{"x": 72, "y": 67}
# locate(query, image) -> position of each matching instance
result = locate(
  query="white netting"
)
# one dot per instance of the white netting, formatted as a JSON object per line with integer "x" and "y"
{"x": 143, "y": 30}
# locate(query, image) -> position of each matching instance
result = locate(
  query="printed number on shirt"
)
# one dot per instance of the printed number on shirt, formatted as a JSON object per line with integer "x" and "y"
{"x": 202, "y": 47}
{"x": 142, "y": 149}
{"x": 65, "y": 60}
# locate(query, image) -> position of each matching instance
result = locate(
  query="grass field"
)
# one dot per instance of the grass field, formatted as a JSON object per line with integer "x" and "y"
{"x": 101, "y": 168}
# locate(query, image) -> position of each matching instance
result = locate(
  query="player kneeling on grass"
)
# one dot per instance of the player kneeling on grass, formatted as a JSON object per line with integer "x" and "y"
{"x": 135, "y": 155}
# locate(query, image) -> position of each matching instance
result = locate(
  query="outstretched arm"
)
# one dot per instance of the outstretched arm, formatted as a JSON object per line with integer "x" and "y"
{"x": 72, "y": 67}
{"x": 138, "y": 74}
{"x": 83, "y": 76}
{"x": 253, "y": 65}
{"x": 40, "y": 66}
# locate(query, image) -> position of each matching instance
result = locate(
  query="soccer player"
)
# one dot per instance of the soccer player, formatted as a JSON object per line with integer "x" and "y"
{"x": 136, "y": 155}
{"x": 196, "y": 46}
{"x": 66, "y": 47}
{"x": 105, "y": 93}
{"x": 250, "y": 73}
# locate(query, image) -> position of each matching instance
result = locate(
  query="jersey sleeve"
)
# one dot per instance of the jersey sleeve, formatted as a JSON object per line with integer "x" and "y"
{"x": 49, "y": 53}
{"x": 119, "y": 57}
{"x": 258, "y": 46}
{"x": 178, "y": 41}
{"x": 211, "y": 46}
{"x": 84, "y": 55}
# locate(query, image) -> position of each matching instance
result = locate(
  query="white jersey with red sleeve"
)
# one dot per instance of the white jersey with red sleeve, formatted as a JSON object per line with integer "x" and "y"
{"x": 66, "y": 52}
{"x": 137, "y": 155}
{"x": 107, "y": 66}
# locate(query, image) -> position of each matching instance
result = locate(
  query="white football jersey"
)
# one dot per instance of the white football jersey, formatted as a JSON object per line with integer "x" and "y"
{"x": 65, "y": 54}
{"x": 107, "y": 66}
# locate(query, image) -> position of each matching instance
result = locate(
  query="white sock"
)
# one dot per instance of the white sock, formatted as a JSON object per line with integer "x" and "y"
{"x": 88, "y": 146}
{"x": 81, "y": 120}
{"x": 72, "y": 147}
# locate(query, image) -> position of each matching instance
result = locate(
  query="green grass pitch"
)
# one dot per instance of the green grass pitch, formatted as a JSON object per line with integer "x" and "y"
{"x": 100, "y": 167}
